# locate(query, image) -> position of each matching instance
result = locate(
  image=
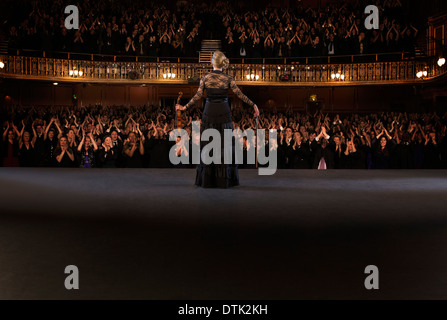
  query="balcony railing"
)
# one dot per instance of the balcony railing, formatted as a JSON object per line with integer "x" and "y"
{"x": 375, "y": 57}
{"x": 299, "y": 74}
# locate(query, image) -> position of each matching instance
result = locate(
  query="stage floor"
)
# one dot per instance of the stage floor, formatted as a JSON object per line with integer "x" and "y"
{"x": 151, "y": 234}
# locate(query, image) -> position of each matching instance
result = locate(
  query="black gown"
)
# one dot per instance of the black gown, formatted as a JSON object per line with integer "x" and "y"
{"x": 217, "y": 115}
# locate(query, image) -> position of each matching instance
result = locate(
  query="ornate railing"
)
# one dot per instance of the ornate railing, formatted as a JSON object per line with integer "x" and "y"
{"x": 70, "y": 70}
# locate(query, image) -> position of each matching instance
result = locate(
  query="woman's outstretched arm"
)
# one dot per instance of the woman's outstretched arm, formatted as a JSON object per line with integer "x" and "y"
{"x": 198, "y": 95}
{"x": 243, "y": 97}
{"x": 239, "y": 93}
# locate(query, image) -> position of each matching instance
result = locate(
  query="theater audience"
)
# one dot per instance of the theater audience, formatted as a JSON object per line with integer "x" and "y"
{"x": 116, "y": 136}
{"x": 247, "y": 30}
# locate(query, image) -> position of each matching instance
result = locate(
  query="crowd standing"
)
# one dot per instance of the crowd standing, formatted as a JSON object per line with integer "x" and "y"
{"x": 152, "y": 29}
{"x": 138, "y": 137}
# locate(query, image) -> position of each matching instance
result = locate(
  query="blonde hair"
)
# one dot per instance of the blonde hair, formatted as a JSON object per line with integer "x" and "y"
{"x": 219, "y": 60}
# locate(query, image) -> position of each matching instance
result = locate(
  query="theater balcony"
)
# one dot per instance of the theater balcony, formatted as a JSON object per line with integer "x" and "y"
{"x": 364, "y": 83}
{"x": 326, "y": 71}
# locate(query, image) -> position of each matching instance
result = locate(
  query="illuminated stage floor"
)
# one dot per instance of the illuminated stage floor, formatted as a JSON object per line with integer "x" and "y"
{"x": 151, "y": 234}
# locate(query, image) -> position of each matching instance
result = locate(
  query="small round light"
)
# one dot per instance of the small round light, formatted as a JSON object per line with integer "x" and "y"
{"x": 342, "y": 77}
{"x": 76, "y": 72}
{"x": 55, "y": 83}
{"x": 70, "y": 73}
{"x": 337, "y": 76}
{"x": 257, "y": 77}
{"x": 164, "y": 75}
{"x": 333, "y": 76}
{"x": 2, "y": 65}
{"x": 252, "y": 76}
{"x": 173, "y": 75}
{"x": 169, "y": 75}
{"x": 441, "y": 62}
{"x": 424, "y": 73}
{"x": 419, "y": 74}
{"x": 248, "y": 77}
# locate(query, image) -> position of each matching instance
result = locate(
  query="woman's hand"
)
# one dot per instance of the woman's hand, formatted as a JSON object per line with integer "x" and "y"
{"x": 179, "y": 107}
{"x": 256, "y": 111}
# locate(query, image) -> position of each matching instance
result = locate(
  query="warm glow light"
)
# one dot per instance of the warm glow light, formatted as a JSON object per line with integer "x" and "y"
{"x": 248, "y": 77}
{"x": 257, "y": 77}
{"x": 337, "y": 76}
{"x": 419, "y": 74}
{"x": 252, "y": 76}
{"x": 169, "y": 75}
{"x": 292, "y": 68}
{"x": 424, "y": 73}
{"x": 342, "y": 77}
{"x": 441, "y": 62}
{"x": 164, "y": 75}
{"x": 81, "y": 73}
{"x": 55, "y": 83}
{"x": 76, "y": 72}
{"x": 2, "y": 65}
{"x": 71, "y": 73}
{"x": 173, "y": 75}
{"x": 333, "y": 76}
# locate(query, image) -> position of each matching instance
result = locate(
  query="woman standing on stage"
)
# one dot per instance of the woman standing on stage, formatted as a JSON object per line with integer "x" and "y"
{"x": 217, "y": 115}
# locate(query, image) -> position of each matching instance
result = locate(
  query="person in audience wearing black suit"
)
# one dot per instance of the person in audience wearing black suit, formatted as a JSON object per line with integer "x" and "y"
{"x": 301, "y": 152}
{"x": 286, "y": 143}
{"x": 339, "y": 150}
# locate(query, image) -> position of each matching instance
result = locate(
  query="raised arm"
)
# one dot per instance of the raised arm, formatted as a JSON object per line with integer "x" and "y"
{"x": 23, "y": 130}
{"x": 47, "y": 129}
{"x": 92, "y": 140}
{"x": 59, "y": 130}
{"x": 6, "y": 132}
{"x": 141, "y": 139}
{"x": 82, "y": 141}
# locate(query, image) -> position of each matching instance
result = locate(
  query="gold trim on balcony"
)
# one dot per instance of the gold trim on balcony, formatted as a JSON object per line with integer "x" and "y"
{"x": 349, "y": 74}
